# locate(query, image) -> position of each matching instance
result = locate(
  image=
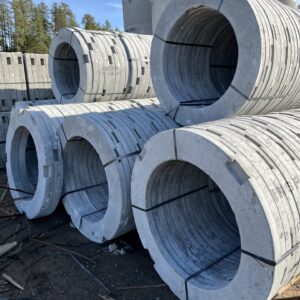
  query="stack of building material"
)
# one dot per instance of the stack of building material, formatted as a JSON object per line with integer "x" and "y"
{"x": 216, "y": 204}
{"x": 12, "y": 90}
{"x": 37, "y": 76}
{"x": 95, "y": 66}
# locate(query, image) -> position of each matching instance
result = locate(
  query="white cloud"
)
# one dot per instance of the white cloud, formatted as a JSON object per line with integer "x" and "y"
{"x": 114, "y": 5}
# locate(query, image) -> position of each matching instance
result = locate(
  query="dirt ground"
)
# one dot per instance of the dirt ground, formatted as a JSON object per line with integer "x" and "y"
{"x": 54, "y": 261}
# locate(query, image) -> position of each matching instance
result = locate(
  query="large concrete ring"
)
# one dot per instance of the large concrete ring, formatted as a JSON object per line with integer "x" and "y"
{"x": 34, "y": 152}
{"x": 34, "y": 163}
{"x": 94, "y": 66}
{"x": 98, "y": 159}
{"x": 217, "y": 206}
{"x": 214, "y": 59}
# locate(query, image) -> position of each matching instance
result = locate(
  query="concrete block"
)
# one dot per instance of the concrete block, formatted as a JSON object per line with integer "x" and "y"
{"x": 93, "y": 66}
{"x": 12, "y": 80}
{"x": 216, "y": 59}
{"x": 37, "y": 76}
{"x": 217, "y": 206}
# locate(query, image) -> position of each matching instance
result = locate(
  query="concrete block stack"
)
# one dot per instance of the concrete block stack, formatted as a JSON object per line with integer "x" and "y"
{"x": 37, "y": 76}
{"x": 12, "y": 90}
{"x": 22, "y": 77}
{"x": 209, "y": 171}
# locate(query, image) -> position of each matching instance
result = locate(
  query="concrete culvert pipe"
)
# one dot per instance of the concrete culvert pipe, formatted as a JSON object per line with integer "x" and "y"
{"x": 98, "y": 160}
{"x": 217, "y": 206}
{"x": 34, "y": 152}
{"x": 214, "y": 59}
{"x": 94, "y": 66}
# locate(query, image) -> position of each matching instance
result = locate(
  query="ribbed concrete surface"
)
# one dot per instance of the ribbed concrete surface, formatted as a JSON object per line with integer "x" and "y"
{"x": 34, "y": 152}
{"x": 214, "y": 59}
{"x": 137, "y": 16}
{"x": 37, "y": 76}
{"x": 12, "y": 80}
{"x": 99, "y": 158}
{"x": 94, "y": 66}
{"x": 218, "y": 207}
{"x": 290, "y": 3}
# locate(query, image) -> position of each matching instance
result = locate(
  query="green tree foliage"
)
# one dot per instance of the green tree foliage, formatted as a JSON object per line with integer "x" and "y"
{"x": 62, "y": 17}
{"x": 6, "y": 26}
{"x": 89, "y": 23}
{"x": 23, "y": 15}
{"x": 40, "y": 40}
{"x": 28, "y": 27}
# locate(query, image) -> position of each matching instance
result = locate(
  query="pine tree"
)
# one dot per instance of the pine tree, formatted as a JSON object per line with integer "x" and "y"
{"x": 107, "y": 26}
{"x": 41, "y": 29}
{"x": 6, "y": 24}
{"x": 62, "y": 17}
{"x": 23, "y": 15}
{"x": 89, "y": 23}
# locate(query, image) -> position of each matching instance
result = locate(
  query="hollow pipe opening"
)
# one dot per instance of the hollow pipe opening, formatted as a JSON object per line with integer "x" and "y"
{"x": 200, "y": 57}
{"x": 87, "y": 182}
{"x": 193, "y": 224}
{"x": 66, "y": 71}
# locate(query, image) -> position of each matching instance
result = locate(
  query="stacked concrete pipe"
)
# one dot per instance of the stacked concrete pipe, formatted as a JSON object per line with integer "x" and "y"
{"x": 217, "y": 206}
{"x": 215, "y": 59}
{"x": 98, "y": 160}
{"x": 94, "y": 66}
{"x": 111, "y": 134}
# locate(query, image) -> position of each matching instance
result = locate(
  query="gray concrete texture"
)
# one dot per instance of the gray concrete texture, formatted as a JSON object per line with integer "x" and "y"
{"x": 217, "y": 206}
{"x": 94, "y": 66}
{"x": 158, "y": 6}
{"x": 291, "y": 3}
{"x": 98, "y": 161}
{"x": 215, "y": 59}
{"x": 37, "y": 76}
{"x": 137, "y": 16}
{"x": 12, "y": 80}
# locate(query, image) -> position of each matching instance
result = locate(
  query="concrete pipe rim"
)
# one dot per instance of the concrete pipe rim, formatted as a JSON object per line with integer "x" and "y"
{"x": 36, "y": 188}
{"x": 67, "y": 66}
{"x": 186, "y": 95}
{"x": 100, "y": 223}
{"x": 169, "y": 250}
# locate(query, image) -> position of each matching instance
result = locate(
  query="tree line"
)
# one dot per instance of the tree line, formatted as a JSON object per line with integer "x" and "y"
{"x": 29, "y": 27}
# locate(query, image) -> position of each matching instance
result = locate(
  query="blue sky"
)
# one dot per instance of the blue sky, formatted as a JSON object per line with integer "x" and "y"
{"x": 100, "y": 9}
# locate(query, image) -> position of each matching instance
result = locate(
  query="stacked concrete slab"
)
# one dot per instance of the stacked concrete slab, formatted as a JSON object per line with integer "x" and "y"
{"x": 37, "y": 76}
{"x": 22, "y": 77}
{"x": 94, "y": 66}
{"x": 12, "y": 90}
{"x": 12, "y": 80}
{"x": 137, "y": 16}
